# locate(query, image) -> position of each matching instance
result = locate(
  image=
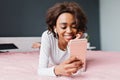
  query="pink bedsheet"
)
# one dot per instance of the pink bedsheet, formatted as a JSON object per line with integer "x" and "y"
{"x": 23, "y": 66}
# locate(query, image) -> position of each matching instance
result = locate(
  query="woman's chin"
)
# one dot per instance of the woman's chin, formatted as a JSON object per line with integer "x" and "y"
{"x": 67, "y": 40}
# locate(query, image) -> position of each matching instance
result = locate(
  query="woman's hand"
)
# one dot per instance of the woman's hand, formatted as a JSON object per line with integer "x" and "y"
{"x": 68, "y": 67}
{"x": 79, "y": 35}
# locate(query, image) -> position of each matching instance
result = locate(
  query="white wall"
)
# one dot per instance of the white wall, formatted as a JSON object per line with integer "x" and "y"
{"x": 110, "y": 25}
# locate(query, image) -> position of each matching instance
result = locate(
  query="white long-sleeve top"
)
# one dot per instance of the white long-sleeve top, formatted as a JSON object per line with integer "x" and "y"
{"x": 50, "y": 55}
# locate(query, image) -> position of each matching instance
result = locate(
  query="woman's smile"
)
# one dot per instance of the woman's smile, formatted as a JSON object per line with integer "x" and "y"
{"x": 68, "y": 37}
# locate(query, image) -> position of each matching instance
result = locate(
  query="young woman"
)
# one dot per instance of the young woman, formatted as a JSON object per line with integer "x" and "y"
{"x": 65, "y": 21}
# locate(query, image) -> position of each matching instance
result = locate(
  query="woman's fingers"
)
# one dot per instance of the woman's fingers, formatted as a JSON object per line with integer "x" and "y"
{"x": 79, "y": 35}
{"x": 75, "y": 64}
{"x": 73, "y": 70}
{"x": 71, "y": 59}
{"x": 70, "y": 66}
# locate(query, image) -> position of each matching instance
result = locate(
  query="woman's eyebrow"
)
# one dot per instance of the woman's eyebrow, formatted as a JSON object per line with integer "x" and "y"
{"x": 74, "y": 22}
{"x": 64, "y": 23}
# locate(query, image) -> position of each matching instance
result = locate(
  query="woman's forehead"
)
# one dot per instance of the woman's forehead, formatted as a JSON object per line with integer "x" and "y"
{"x": 65, "y": 18}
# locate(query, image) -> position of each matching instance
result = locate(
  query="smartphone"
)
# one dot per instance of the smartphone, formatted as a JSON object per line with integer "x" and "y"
{"x": 78, "y": 48}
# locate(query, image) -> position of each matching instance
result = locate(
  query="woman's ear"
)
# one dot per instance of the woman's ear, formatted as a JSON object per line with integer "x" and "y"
{"x": 55, "y": 29}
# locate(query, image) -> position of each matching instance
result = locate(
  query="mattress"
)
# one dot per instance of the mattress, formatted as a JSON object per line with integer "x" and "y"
{"x": 101, "y": 65}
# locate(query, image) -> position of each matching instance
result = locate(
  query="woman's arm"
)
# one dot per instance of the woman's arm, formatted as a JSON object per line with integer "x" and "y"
{"x": 66, "y": 68}
{"x": 43, "y": 68}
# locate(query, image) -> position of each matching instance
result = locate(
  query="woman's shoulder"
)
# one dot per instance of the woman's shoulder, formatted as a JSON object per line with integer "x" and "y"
{"x": 47, "y": 34}
{"x": 47, "y": 37}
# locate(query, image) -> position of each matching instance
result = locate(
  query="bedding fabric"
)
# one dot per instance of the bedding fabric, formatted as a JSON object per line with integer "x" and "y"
{"x": 23, "y": 66}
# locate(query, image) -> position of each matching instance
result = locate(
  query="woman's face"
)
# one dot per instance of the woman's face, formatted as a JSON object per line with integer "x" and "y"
{"x": 66, "y": 27}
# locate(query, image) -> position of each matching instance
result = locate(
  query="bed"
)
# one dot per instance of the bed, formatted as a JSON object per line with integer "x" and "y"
{"x": 101, "y": 65}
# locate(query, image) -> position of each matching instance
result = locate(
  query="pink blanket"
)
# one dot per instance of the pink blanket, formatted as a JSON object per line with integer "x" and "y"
{"x": 23, "y": 66}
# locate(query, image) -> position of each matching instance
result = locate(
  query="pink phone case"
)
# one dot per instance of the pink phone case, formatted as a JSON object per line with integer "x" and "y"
{"x": 78, "y": 48}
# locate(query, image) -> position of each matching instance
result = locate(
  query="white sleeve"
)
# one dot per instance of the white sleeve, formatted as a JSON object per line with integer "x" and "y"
{"x": 43, "y": 68}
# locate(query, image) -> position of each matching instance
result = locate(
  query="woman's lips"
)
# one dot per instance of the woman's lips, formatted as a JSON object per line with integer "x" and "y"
{"x": 68, "y": 37}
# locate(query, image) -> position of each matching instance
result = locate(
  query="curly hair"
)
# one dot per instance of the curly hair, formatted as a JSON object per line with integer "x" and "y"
{"x": 70, "y": 7}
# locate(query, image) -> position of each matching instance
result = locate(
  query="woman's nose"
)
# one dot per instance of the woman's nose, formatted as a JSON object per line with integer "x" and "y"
{"x": 68, "y": 30}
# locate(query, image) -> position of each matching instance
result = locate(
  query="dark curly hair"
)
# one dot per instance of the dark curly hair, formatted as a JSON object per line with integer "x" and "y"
{"x": 69, "y": 7}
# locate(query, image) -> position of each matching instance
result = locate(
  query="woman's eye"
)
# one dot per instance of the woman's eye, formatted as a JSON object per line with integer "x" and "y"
{"x": 63, "y": 27}
{"x": 74, "y": 26}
